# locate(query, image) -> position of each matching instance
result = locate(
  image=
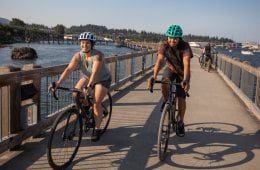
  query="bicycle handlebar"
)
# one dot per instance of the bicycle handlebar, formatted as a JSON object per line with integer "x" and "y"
{"x": 63, "y": 88}
{"x": 164, "y": 82}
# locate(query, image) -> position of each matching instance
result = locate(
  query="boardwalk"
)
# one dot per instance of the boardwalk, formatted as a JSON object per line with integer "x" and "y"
{"x": 221, "y": 133}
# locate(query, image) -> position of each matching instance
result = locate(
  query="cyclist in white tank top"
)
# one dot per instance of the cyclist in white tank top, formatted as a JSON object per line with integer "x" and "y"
{"x": 95, "y": 75}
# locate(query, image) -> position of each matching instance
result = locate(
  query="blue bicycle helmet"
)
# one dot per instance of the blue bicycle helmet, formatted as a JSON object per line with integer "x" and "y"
{"x": 174, "y": 31}
{"x": 87, "y": 36}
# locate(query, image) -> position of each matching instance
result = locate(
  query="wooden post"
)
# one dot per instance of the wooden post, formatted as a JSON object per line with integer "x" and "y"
{"x": 31, "y": 107}
{"x": 11, "y": 103}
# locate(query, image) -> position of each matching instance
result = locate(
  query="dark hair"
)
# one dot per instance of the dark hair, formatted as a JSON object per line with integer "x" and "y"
{"x": 92, "y": 43}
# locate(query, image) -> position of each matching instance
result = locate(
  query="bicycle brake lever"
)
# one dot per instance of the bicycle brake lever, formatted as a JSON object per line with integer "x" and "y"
{"x": 54, "y": 92}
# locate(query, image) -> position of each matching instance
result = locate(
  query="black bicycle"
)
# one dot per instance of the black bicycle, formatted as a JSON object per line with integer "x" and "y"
{"x": 66, "y": 132}
{"x": 201, "y": 60}
{"x": 169, "y": 118}
{"x": 207, "y": 63}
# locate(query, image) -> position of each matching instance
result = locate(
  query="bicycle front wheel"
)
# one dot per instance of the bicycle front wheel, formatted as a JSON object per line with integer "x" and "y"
{"x": 164, "y": 132}
{"x": 65, "y": 138}
{"x": 107, "y": 112}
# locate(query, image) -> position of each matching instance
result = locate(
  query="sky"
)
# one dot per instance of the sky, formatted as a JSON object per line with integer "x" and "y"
{"x": 235, "y": 19}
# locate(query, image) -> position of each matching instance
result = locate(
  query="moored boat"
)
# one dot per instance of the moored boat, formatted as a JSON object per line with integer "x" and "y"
{"x": 247, "y": 52}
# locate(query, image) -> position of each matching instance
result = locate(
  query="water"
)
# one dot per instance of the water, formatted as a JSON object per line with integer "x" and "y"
{"x": 236, "y": 52}
{"x": 54, "y": 54}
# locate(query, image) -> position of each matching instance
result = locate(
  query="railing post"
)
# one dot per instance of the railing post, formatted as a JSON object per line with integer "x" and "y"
{"x": 117, "y": 70}
{"x": 11, "y": 104}
{"x": 132, "y": 66}
{"x": 143, "y": 63}
{"x": 31, "y": 108}
{"x": 257, "y": 95}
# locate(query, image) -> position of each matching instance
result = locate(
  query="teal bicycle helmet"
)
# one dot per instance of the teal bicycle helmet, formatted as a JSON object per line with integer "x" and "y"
{"x": 174, "y": 31}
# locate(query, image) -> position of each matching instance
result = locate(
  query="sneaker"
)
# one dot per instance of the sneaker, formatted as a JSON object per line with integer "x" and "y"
{"x": 174, "y": 124}
{"x": 162, "y": 106}
{"x": 96, "y": 135}
{"x": 180, "y": 131}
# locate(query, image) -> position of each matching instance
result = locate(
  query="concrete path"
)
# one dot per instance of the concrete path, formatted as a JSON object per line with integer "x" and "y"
{"x": 220, "y": 133}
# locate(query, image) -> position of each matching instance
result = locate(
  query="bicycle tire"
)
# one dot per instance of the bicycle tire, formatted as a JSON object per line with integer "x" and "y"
{"x": 209, "y": 65}
{"x": 201, "y": 61}
{"x": 174, "y": 118}
{"x": 107, "y": 112}
{"x": 62, "y": 149}
{"x": 164, "y": 132}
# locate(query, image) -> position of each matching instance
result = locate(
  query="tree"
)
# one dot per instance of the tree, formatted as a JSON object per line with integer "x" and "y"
{"x": 17, "y": 22}
{"x": 59, "y": 30}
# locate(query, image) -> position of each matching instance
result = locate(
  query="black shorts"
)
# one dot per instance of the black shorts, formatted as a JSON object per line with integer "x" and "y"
{"x": 168, "y": 74}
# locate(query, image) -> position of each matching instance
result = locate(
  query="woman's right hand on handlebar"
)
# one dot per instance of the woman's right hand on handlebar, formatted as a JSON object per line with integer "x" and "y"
{"x": 150, "y": 84}
{"x": 52, "y": 87}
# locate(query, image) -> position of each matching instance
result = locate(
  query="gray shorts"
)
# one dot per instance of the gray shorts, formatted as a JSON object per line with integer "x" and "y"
{"x": 105, "y": 83}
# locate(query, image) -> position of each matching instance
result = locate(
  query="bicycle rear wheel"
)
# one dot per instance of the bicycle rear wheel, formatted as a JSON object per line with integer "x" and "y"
{"x": 65, "y": 138}
{"x": 164, "y": 132}
{"x": 107, "y": 112}
{"x": 201, "y": 61}
{"x": 209, "y": 65}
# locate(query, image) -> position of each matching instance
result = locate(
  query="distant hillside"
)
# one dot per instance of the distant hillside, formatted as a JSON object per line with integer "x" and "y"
{"x": 4, "y": 21}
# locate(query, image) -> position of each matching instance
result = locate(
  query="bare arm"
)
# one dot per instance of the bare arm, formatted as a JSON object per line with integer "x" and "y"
{"x": 186, "y": 74}
{"x": 157, "y": 66}
{"x": 71, "y": 67}
{"x": 97, "y": 64}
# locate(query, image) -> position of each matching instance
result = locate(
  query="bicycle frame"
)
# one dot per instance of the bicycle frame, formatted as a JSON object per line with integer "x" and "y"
{"x": 81, "y": 94}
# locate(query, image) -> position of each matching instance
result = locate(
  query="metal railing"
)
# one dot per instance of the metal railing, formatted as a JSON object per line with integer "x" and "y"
{"x": 22, "y": 117}
{"x": 243, "y": 78}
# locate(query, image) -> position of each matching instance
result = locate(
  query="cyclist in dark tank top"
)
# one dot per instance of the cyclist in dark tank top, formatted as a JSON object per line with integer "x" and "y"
{"x": 177, "y": 53}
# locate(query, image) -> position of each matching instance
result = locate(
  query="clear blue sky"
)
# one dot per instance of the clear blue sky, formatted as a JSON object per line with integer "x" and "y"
{"x": 235, "y": 19}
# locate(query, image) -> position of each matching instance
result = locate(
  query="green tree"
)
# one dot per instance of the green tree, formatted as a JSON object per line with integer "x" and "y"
{"x": 17, "y": 22}
{"x": 59, "y": 31}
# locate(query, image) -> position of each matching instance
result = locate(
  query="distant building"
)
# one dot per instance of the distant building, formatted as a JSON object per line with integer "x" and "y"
{"x": 70, "y": 36}
{"x": 194, "y": 44}
{"x": 108, "y": 39}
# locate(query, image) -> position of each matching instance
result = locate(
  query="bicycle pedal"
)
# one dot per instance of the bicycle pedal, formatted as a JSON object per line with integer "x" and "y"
{"x": 105, "y": 113}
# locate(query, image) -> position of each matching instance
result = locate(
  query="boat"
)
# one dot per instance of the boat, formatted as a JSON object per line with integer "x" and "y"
{"x": 256, "y": 51}
{"x": 194, "y": 44}
{"x": 247, "y": 52}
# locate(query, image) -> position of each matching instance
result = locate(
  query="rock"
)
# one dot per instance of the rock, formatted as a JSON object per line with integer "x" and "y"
{"x": 23, "y": 53}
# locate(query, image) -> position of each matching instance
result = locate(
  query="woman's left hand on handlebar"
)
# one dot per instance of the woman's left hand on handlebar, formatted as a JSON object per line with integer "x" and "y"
{"x": 185, "y": 85}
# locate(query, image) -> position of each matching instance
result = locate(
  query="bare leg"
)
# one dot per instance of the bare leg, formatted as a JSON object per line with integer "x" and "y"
{"x": 81, "y": 83}
{"x": 165, "y": 89}
{"x": 181, "y": 108}
{"x": 100, "y": 93}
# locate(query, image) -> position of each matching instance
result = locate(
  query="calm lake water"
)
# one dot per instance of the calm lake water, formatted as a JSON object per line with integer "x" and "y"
{"x": 54, "y": 54}
{"x": 236, "y": 52}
